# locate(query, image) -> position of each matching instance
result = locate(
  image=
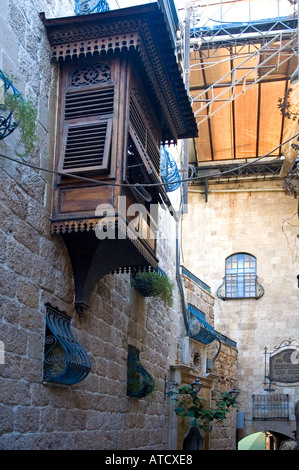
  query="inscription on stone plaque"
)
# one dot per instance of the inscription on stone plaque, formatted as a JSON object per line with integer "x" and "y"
{"x": 284, "y": 366}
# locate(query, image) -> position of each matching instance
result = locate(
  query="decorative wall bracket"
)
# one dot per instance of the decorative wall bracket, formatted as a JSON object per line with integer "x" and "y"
{"x": 221, "y": 294}
{"x": 92, "y": 258}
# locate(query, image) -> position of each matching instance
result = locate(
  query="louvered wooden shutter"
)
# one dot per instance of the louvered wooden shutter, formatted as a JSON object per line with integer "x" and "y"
{"x": 142, "y": 134}
{"x": 87, "y": 125}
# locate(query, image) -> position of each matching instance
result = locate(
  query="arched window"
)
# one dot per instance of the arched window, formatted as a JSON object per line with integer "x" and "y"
{"x": 240, "y": 276}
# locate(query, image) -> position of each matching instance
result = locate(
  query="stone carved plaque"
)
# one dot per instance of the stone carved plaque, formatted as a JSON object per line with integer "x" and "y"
{"x": 284, "y": 366}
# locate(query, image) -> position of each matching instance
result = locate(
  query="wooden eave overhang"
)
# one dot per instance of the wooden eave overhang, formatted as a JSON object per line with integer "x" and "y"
{"x": 238, "y": 75}
{"x": 141, "y": 29}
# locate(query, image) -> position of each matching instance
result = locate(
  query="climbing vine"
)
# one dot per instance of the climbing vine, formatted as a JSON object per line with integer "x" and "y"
{"x": 284, "y": 105}
{"x": 291, "y": 185}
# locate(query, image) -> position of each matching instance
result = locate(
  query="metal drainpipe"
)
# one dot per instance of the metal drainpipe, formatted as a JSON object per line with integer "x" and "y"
{"x": 184, "y": 196}
{"x": 186, "y": 57}
{"x": 178, "y": 274}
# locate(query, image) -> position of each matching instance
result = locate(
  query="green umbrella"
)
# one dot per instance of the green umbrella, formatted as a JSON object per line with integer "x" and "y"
{"x": 256, "y": 441}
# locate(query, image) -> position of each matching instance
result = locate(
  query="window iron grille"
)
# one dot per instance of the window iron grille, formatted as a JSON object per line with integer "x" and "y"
{"x": 270, "y": 407}
{"x": 240, "y": 279}
{"x": 7, "y": 122}
{"x": 65, "y": 361}
{"x": 86, "y": 7}
{"x": 240, "y": 276}
{"x": 139, "y": 382}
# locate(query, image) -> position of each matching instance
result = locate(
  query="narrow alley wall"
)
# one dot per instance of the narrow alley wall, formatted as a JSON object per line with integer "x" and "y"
{"x": 35, "y": 270}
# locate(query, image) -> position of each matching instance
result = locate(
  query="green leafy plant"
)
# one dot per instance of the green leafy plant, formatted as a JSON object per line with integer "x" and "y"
{"x": 17, "y": 112}
{"x": 201, "y": 413}
{"x": 24, "y": 114}
{"x": 152, "y": 284}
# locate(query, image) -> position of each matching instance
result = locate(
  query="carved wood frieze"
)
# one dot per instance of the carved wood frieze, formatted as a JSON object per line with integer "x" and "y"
{"x": 74, "y": 226}
{"x": 136, "y": 40}
{"x": 69, "y": 33}
{"x": 91, "y": 74}
{"x": 91, "y": 46}
{"x": 114, "y": 32}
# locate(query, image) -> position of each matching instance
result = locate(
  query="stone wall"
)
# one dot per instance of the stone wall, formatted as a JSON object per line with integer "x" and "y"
{"x": 215, "y": 364}
{"x": 225, "y": 374}
{"x": 35, "y": 269}
{"x": 260, "y": 219}
{"x": 222, "y": 435}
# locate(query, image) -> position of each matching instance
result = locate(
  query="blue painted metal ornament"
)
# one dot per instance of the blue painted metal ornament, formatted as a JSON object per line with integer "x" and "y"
{"x": 169, "y": 171}
{"x": 86, "y": 7}
{"x": 7, "y": 122}
{"x": 65, "y": 361}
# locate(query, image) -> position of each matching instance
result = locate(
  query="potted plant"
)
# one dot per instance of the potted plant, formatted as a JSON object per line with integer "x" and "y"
{"x": 153, "y": 284}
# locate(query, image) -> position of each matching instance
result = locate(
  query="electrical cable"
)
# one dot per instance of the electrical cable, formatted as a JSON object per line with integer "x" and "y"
{"x": 130, "y": 185}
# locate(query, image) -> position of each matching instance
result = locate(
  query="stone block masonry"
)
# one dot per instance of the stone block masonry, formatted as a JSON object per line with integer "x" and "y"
{"x": 95, "y": 414}
{"x": 35, "y": 269}
{"x": 260, "y": 220}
